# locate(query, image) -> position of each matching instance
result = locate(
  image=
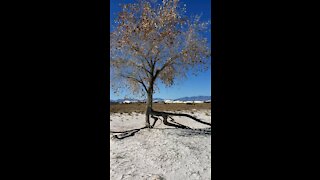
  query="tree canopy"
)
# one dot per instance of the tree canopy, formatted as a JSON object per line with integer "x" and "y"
{"x": 156, "y": 42}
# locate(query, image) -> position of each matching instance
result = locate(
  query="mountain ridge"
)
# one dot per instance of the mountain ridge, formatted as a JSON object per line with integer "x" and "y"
{"x": 189, "y": 98}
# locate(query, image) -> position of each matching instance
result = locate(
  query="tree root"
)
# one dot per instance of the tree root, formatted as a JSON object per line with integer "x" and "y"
{"x": 165, "y": 116}
{"x": 124, "y": 134}
{"x": 155, "y": 120}
{"x": 177, "y": 124}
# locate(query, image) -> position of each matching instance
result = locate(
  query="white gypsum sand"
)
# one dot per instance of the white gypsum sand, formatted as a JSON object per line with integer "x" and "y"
{"x": 163, "y": 152}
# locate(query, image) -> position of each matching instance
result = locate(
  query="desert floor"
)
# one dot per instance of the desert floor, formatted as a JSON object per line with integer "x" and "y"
{"x": 163, "y": 152}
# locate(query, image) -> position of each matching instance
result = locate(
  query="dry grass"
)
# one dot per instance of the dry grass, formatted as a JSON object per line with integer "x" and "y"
{"x": 141, "y": 107}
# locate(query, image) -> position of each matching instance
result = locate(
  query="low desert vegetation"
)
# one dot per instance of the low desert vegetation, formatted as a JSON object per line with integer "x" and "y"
{"x": 140, "y": 108}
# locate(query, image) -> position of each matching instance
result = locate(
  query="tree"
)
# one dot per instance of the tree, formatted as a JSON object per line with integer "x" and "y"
{"x": 155, "y": 43}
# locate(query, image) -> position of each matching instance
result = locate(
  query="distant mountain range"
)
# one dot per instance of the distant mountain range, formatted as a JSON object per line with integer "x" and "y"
{"x": 121, "y": 100}
{"x": 192, "y": 98}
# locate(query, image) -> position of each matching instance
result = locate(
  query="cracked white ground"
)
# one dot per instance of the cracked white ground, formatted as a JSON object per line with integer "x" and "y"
{"x": 163, "y": 152}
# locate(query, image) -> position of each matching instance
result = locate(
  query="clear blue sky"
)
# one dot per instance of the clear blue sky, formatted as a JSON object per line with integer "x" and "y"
{"x": 192, "y": 85}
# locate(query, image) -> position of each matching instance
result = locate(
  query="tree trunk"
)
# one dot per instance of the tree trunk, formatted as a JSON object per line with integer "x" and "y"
{"x": 148, "y": 108}
{"x": 149, "y": 101}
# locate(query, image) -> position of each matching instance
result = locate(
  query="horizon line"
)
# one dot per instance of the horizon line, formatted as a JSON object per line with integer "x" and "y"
{"x": 160, "y": 97}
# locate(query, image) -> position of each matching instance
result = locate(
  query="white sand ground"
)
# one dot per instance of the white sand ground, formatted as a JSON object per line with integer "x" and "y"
{"x": 161, "y": 153}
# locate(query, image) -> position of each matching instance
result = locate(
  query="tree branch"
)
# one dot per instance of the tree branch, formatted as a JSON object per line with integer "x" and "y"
{"x": 143, "y": 67}
{"x": 139, "y": 52}
{"x": 143, "y": 84}
{"x": 167, "y": 64}
{"x": 137, "y": 80}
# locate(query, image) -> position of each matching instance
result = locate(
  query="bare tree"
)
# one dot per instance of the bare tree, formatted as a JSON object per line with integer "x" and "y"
{"x": 155, "y": 43}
